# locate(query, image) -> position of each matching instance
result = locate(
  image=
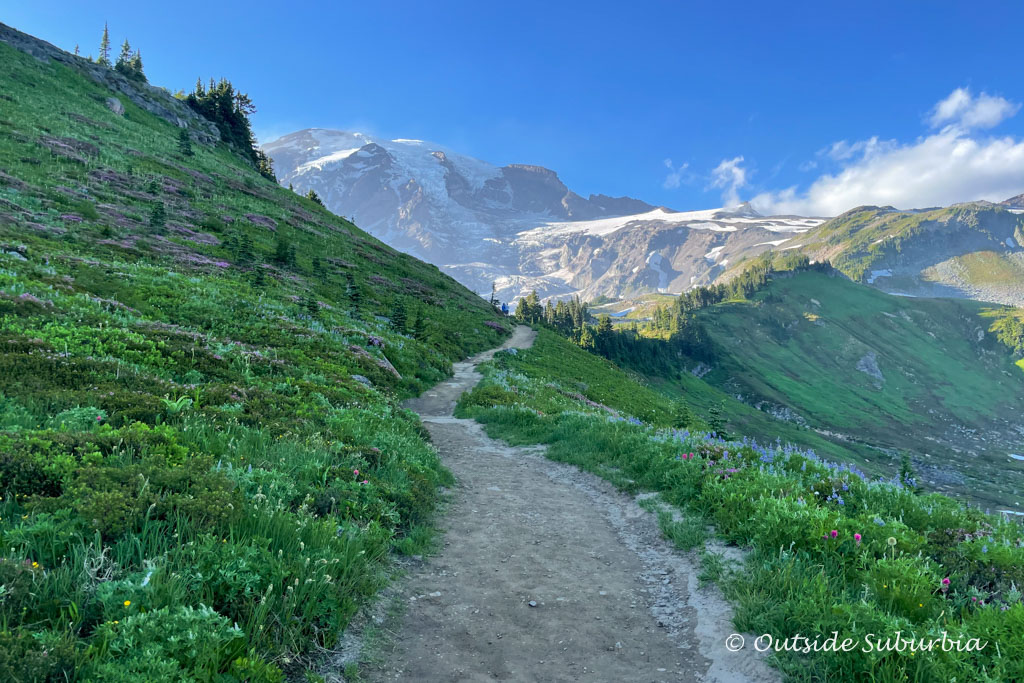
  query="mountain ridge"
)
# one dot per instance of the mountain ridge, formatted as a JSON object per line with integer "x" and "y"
{"x": 486, "y": 224}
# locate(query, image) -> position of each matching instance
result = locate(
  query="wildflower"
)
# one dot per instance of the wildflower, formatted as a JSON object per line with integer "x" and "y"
{"x": 366, "y": 481}
{"x": 35, "y": 565}
{"x": 99, "y": 418}
{"x": 127, "y": 603}
{"x": 833, "y": 533}
{"x": 355, "y": 472}
{"x": 945, "y": 583}
{"x": 857, "y": 538}
{"x": 891, "y": 541}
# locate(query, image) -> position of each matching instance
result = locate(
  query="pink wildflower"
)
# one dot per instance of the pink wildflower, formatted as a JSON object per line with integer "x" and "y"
{"x": 833, "y": 533}
{"x": 945, "y": 581}
{"x": 857, "y": 538}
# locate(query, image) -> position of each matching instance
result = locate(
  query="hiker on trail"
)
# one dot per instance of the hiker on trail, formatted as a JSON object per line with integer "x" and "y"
{"x": 504, "y": 309}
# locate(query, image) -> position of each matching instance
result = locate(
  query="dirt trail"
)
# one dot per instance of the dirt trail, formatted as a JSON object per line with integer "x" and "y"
{"x": 549, "y": 574}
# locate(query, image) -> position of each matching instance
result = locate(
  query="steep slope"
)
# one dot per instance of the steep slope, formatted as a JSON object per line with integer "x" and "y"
{"x": 895, "y": 374}
{"x": 518, "y": 226}
{"x": 971, "y": 250}
{"x": 203, "y": 461}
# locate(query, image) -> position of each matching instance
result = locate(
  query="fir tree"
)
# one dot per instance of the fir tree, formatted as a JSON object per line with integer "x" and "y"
{"x": 399, "y": 318}
{"x": 259, "y": 276}
{"x": 184, "y": 142}
{"x": 284, "y": 252}
{"x": 246, "y": 250}
{"x": 135, "y": 64}
{"x": 683, "y": 416}
{"x": 104, "y": 57}
{"x": 314, "y": 197}
{"x": 309, "y": 302}
{"x": 715, "y": 421}
{"x": 158, "y": 216}
{"x": 355, "y": 296}
{"x": 586, "y": 338}
{"x": 265, "y": 165}
{"x": 124, "y": 58}
{"x": 76, "y": 49}
{"x": 419, "y": 327}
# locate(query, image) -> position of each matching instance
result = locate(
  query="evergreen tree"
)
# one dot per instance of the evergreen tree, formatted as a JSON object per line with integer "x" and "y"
{"x": 683, "y": 416}
{"x": 715, "y": 421}
{"x": 354, "y": 293}
{"x": 399, "y": 318}
{"x": 314, "y": 197}
{"x": 586, "y": 338}
{"x": 76, "y": 49}
{"x": 135, "y": 65}
{"x": 494, "y": 296}
{"x": 419, "y": 327}
{"x": 158, "y": 216}
{"x": 246, "y": 251}
{"x": 184, "y": 142}
{"x": 104, "y": 57}
{"x": 284, "y": 252}
{"x": 604, "y": 325}
{"x": 259, "y": 276}
{"x": 265, "y": 165}
{"x": 123, "y": 59}
{"x": 309, "y": 303}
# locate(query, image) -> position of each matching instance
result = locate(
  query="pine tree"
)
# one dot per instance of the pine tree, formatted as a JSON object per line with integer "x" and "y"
{"x": 604, "y": 325}
{"x": 494, "y": 295}
{"x": 314, "y": 197}
{"x": 76, "y": 49}
{"x": 184, "y": 142}
{"x": 104, "y": 57}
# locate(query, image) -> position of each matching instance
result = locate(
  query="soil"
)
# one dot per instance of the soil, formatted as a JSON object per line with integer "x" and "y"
{"x": 548, "y": 573}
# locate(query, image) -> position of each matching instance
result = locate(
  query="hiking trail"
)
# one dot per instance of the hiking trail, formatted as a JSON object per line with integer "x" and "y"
{"x": 548, "y": 573}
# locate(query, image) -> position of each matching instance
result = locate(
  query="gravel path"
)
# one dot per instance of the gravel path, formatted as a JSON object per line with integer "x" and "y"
{"x": 549, "y": 574}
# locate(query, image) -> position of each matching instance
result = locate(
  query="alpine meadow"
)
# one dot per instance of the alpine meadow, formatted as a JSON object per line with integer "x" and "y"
{"x": 284, "y": 400}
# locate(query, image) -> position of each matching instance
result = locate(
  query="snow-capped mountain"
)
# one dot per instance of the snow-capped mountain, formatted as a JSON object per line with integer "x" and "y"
{"x": 518, "y": 226}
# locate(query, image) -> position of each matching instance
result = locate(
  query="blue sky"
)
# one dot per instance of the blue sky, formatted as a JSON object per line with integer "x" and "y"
{"x": 805, "y": 107}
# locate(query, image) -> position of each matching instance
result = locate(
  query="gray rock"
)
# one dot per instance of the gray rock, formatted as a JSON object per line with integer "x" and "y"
{"x": 114, "y": 105}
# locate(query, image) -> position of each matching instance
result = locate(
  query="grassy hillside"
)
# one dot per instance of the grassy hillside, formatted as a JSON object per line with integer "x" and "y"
{"x": 899, "y": 374}
{"x": 829, "y": 548}
{"x": 203, "y": 462}
{"x": 970, "y": 250}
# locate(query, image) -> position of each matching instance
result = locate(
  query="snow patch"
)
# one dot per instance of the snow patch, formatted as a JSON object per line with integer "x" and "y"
{"x": 875, "y": 274}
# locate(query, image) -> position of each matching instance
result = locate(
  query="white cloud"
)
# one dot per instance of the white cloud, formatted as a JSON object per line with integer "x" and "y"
{"x": 675, "y": 177}
{"x": 950, "y": 165}
{"x": 965, "y": 111}
{"x": 729, "y": 176}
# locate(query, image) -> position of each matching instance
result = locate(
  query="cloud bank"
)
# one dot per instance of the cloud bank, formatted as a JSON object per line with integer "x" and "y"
{"x": 954, "y": 162}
